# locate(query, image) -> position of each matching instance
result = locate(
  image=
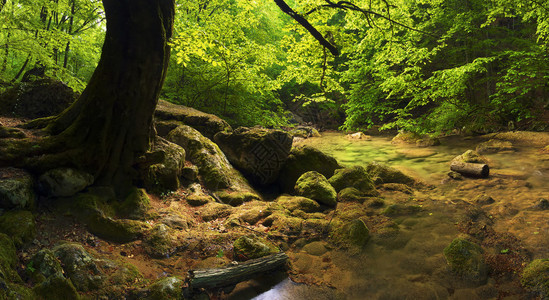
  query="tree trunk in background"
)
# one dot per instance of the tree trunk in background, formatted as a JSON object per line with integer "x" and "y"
{"x": 110, "y": 126}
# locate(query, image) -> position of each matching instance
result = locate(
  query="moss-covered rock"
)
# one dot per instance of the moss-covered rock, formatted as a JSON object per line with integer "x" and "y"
{"x": 160, "y": 241}
{"x": 43, "y": 265}
{"x": 381, "y": 173}
{"x": 398, "y": 187}
{"x": 257, "y": 152}
{"x": 301, "y": 160}
{"x": 315, "y": 186}
{"x": 415, "y": 139}
{"x": 350, "y": 233}
{"x": 470, "y": 156}
{"x": 116, "y": 230}
{"x": 351, "y": 194}
{"x": 166, "y": 289}
{"x": 199, "y": 200}
{"x": 254, "y": 214}
{"x": 163, "y": 167}
{"x": 236, "y": 198}
{"x": 494, "y": 146}
{"x": 465, "y": 259}
{"x": 215, "y": 170}
{"x": 283, "y": 223}
{"x": 535, "y": 277}
{"x": 15, "y": 291}
{"x": 8, "y": 259}
{"x": 64, "y": 182}
{"x": 16, "y": 189}
{"x": 304, "y": 132}
{"x": 214, "y": 210}
{"x": 56, "y": 287}
{"x": 206, "y": 124}
{"x": 250, "y": 247}
{"x": 79, "y": 266}
{"x": 135, "y": 206}
{"x": 293, "y": 203}
{"x": 177, "y": 220}
{"x": 190, "y": 173}
{"x": 316, "y": 248}
{"x": 396, "y": 210}
{"x": 19, "y": 225}
{"x": 355, "y": 177}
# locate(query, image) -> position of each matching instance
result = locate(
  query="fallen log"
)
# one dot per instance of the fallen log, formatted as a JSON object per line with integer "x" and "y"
{"x": 231, "y": 275}
{"x": 470, "y": 169}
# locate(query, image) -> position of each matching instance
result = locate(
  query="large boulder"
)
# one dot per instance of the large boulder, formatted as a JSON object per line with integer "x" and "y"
{"x": 79, "y": 266}
{"x": 303, "y": 159}
{"x": 163, "y": 166}
{"x": 64, "y": 182}
{"x": 381, "y": 173}
{"x": 207, "y": 124}
{"x": 356, "y": 177}
{"x": 258, "y": 153}
{"x": 16, "y": 189}
{"x": 214, "y": 168}
{"x": 315, "y": 186}
{"x": 465, "y": 260}
{"x": 40, "y": 98}
{"x": 535, "y": 277}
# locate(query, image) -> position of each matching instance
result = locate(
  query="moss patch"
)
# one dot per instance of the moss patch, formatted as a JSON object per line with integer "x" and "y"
{"x": 465, "y": 259}
{"x": 535, "y": 277}
{"x": 19, "y": 225}
{"x": 315, "y": 186}
{"x": 250, "y": 247}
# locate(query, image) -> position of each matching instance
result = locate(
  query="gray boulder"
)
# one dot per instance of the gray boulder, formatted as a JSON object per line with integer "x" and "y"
{"x": 64, "y": 182}
{"x": 16, "y": 189}
{"x": 79, "y": 266}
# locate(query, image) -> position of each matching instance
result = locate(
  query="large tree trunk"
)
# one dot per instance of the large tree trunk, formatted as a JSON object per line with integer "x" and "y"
{"x": 110, "y": 126}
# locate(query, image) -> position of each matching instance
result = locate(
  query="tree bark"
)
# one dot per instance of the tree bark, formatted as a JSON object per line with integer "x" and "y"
{"x": 470, "y": 169}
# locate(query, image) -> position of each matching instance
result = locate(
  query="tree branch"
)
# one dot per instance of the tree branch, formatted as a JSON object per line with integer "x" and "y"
{"x": 310, "y": 28}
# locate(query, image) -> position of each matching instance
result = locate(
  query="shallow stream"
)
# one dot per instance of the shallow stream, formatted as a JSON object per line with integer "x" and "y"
{"x": 408, "y": 263}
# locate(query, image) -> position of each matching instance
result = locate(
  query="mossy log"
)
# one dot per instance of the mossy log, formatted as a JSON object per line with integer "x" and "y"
{"x": 231, "y": 275}
{"x": 470, "y": 169}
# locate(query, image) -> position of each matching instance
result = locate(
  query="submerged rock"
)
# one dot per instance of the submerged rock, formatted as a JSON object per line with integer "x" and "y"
{"x": 250, "y": 247}
{"x": 315, "y": 186}
{"x": 356, "y": 177}
{"x": 465, "y": 259}
{"x": 64, "y": 182}
{"x": 535, "y": 277}
{"x": 396, "y": 210}
{"x": 301, "y": 160}
{"x": 19, "y": 225}
{"x": 207, "y": 124}
{"x": 415, "y": 139}
{"x": 494, "y": 146}
{"x": 381, "y": 173}
{"x": 358, "y": 136}
{"x": 349, "y": 234}
{"x": 258, "y": 153}
{"x": 79, "y": 266}
{"x": 17, "y": 190}
{"x": 163, "y": 166}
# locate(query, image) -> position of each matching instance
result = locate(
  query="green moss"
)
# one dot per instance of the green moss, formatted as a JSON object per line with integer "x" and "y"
{"x": 292, "y": 203}
{"x": 17, "y": 192}
{"x": 356, "y": 177}
{"x": 465, "y": 259}
{"x": 15, "y": 291}
{"x": 470, "y": 156}
{"x": 43, "y": 265}
{"x": 8, "y": 259}
{"x": 199, "y": 200}
{"x": 116, "y": 230}
{"x": 351, "y": 194}
{"x": 160, "y": 242}
{"x": 56, "y": 287}
{"x": 136, "y": 205}
{"x": 19, "y": 225}
{"x": 214, "y": 210}
{"x": 315, "y": 186}
{"x": 126, "y": 274}
{"x": 236, "y": 198}
{"x": 381, "y": 173}
{"x": 166, "y": 289}
{"x": 535, "y": 277}
{"x": 250, "y": 247}
{"x": 350, "y": 234}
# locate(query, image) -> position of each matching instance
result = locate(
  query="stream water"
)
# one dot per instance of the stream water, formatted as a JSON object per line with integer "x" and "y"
{"x": 408, "y": 263}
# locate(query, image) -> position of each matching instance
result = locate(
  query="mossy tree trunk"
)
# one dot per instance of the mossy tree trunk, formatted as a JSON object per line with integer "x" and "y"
{"x": 110, "y": 126}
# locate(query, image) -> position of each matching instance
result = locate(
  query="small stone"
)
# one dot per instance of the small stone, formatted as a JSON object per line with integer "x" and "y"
{"x": 250, "y": 247}
{"x": 455, "y": 175}
{"x": 541, "y": 204}
{"x": 483, "y": 200}
{"x": 315, "y": 248}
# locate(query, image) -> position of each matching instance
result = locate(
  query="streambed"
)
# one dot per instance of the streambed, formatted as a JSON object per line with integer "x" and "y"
{"x": 408, "y": 263}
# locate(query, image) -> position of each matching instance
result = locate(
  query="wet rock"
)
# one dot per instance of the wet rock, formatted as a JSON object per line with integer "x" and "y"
{"x": 465, "y": 259}
{"x": 64, "y": 182}
{"x": 166, "y": 288}
{"x": 358, "y": 136}
{"x": 79, "y": 266}
{"x": 215, "y": 170}
{"x": 293, "y": 203}
{"x": 301, "y": 160}
{"x": 160, "y": 242}
{"x": 304, "y": 132}
{"x": 207, "y": 124}
{"x": 416, "y": 152}
{"x": 355, "y": 177}
{"x": 483, "y": 200}
{"x": 19, "y": 225}
{"x": 470, "y": 156}
{"x": 351, "y": 194}
{"x": 494, "y": 146}
{"x": 17, "y": 190}
{"x": 317, "y": 248}
{"x": 541, "y": 204}
{"x": 212, "y": 211}
{"x": 162, "y": 166}
{"x": 56, "y": 287}
{"x": 399, "y": 187}
{"x": 250, "y": 247}
{"x": 40, "y": 98}
{"x": 258, "y": 153}
{"x": 199, "y": 200}
{"x": 43, "y": 265}
{"x": 415, "y": 139}
{"x": 136, "y": 205}
{"x": 236, "y": 198}
{"x": 535, "y": 277}
{"x": 315, "y": 186}
{"x": 396, "y": 210}
{"x": 455, "y": 175}
{"x": 381, "y": 173}
{"x": 349, "y": 234}
{"x": 116, "y": 230}
{"x": 8, "y": 259}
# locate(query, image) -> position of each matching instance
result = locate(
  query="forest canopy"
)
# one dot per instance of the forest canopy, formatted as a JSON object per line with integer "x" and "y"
{"x": 424, "y": 65}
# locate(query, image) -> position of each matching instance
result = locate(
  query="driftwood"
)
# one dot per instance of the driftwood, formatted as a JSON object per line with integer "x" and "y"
{"x": 231, "y": 275}
{"x": 470, "y": 169}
